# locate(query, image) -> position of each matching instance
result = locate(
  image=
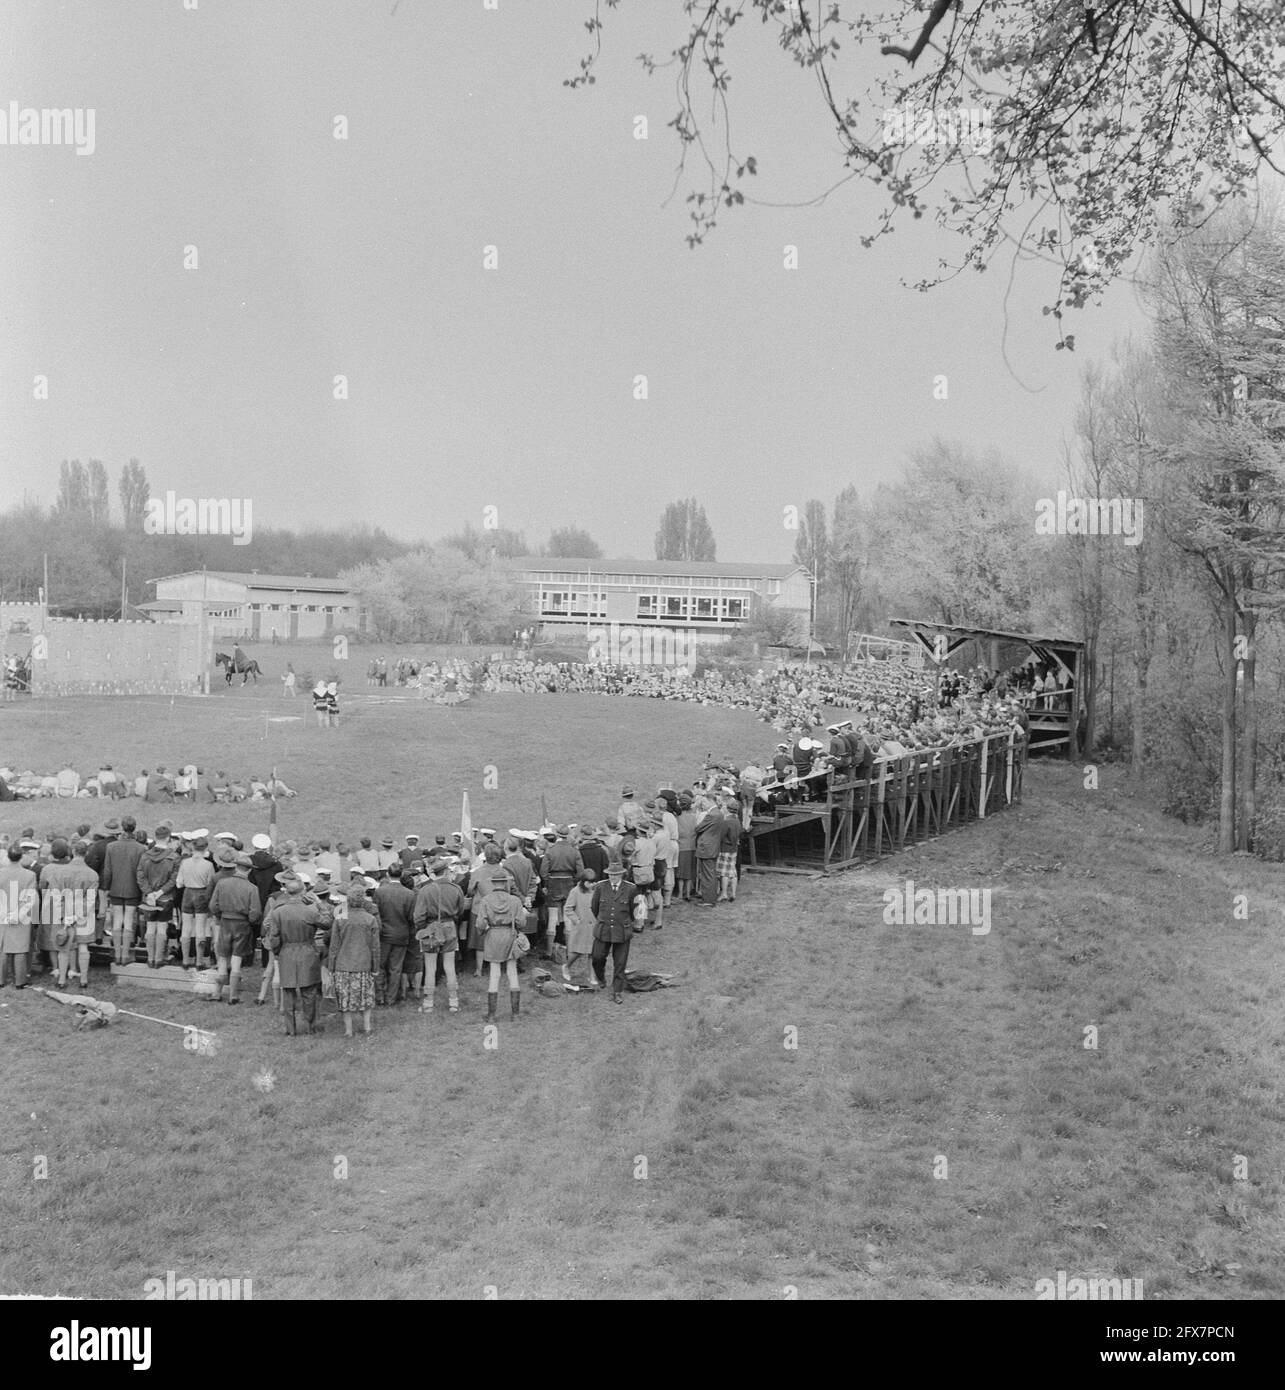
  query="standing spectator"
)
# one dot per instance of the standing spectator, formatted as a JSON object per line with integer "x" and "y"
{"x": 96, "y": 859}
{"x": 319, "y": 704}
{"x": 234, "y": 906}
{"x": 332, "y": 704}
{"x": 580, "y": 924}
{"x": 196, "y": 879}
{"x": 20, "y": 903}
{"x": 728, "y": 845}
{"x": 438, "y": 907}
{"x": 395, "y": 904}
{"x": 368, "y": 859}
{"x": 354, "y": 959}
{"x": 289, "y": 681}
{"x": 618, "y": 907}
{"x": 69, "y": 899}
{"x": 502, "y": 917}
{"x": 264, "y": 868}
{"x": 709, "y": 836}
{"x": 157, "y": 874}
{"x": 296, "y": 932}
{"x": 560, "y": 866}
{"x": 120, "y": 879}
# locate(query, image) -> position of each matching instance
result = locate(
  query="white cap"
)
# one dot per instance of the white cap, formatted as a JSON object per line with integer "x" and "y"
{"x": 225, "y": 835}
{"x": 261, "y": 841}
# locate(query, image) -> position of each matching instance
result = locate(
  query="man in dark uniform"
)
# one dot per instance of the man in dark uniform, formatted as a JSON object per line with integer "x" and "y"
{"x": 617, "y": 907}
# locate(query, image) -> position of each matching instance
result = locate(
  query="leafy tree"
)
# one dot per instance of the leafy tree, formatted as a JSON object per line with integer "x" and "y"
{"x": 73, "y": 489}
{"x": 482, "y": 545}
{"x": 133, "y": 490}
{"x": 685, "y": 533}
{"x": 1219, "y": 302}
{"x": 572, "y": 543}
{"x": 1058, "y": 129}
{"x": 99, "y": 493}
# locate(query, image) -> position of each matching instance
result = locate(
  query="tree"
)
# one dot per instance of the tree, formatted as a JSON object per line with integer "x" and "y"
{"x": 1083, "y": 119}
{"x": 133, "y": 491}
{"x": 572, "y": 543}
{"x": 847, "y": 563}
{"x": 1219, "y": 301}
{"x": 99, "y": 493}
{"x": 685, "y": 533}
{"x": 482, "y": 545}
{"x": 73, "y": 489}
{"x": 812, "y": 548}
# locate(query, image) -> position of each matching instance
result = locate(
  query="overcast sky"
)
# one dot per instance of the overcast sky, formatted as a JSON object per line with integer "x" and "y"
{"x": 468, "y": 387}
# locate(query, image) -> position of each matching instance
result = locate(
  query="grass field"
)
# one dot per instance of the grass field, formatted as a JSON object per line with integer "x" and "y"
{"x": 421, "y": 1163}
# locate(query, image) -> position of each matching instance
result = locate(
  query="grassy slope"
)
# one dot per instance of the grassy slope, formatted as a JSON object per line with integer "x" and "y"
{"x": 766, "y": 1167}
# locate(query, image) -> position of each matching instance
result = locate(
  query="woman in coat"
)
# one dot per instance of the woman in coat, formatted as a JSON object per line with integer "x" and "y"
{"x": 500, "y": 918}
{"x": 354, "y": 959}
{"x": 295, "y": 931}
{"x": 578, "y": 915}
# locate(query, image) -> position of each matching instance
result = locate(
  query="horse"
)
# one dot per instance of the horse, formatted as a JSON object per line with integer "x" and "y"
{"x": 245, "y": 669}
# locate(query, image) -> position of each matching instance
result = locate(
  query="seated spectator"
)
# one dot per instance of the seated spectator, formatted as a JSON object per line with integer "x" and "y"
{"x": 159, "y": 786}
{"x": 140, "y": 783}
{"x": 68, "y": 783}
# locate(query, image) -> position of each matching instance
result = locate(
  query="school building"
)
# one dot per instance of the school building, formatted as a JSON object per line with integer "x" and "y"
{"x": 702, "y": 601}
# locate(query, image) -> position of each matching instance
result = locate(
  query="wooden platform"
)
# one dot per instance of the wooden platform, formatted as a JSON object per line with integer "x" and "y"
{"x": 911, "y": 800}
{"x": 172, "y": 977}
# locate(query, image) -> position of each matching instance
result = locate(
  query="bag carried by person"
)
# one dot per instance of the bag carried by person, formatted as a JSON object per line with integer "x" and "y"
{"x": 521, "y": 945}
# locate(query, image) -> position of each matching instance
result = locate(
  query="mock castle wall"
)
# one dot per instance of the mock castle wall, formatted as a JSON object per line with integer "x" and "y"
{"x": 114, "y": 658}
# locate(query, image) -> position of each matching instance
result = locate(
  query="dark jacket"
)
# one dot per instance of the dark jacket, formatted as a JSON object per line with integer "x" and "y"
{"x": 263, "y": 874}
{"x": 709, "y": 834}
{"x": 235, "y": 899}
{"x": 157, "y": 870}
{"x": 396, "y": 905}
{"x": 120, "y": 869}
{"x": 613, "y": 910}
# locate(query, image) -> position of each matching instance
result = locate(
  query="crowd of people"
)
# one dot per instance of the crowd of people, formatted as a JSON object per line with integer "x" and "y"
{"x": 186, "y": 783}
{"x": 375, "y": 924}
{"x": 892, "y": 695}
{"x": 371, "y": 925}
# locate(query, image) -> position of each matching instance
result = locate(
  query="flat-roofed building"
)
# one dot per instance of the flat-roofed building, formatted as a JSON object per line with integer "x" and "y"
{"x": 705, "y": 601}
{"x": 257, "y": 605}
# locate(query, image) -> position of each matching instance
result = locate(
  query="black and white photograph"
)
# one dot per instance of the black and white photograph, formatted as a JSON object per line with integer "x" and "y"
{"x": 643, "y": 659}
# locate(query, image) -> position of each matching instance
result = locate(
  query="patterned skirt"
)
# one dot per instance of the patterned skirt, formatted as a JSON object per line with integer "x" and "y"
{"x": 354, "y": 990}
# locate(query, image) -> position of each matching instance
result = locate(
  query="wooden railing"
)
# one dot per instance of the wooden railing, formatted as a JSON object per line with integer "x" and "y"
{"x": 905, "y": 801}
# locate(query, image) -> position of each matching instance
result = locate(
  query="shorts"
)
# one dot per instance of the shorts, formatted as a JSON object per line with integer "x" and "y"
{"x": 557, "y": 890}
{"x": 196, "y": 900}
{"x": 726, "y": 865}
{"x": 234, "y": 939}
{"x": 85, "y": 933}
{"x": 123, "y": 902}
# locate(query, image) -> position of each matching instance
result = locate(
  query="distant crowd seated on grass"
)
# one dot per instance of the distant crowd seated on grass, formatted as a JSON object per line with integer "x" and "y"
{"x": 187, "y": 783}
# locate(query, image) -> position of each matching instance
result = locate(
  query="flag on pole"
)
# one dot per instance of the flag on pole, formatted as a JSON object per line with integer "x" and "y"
{"x": 466, "y": 826}
{"x": 272, "y": 814}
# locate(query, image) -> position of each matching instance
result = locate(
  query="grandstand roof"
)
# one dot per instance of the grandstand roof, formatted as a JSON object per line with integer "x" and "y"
{"x": 966, "y": 634}
{"x": 292, "y": 582}
{"x": 675, "y": 569}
